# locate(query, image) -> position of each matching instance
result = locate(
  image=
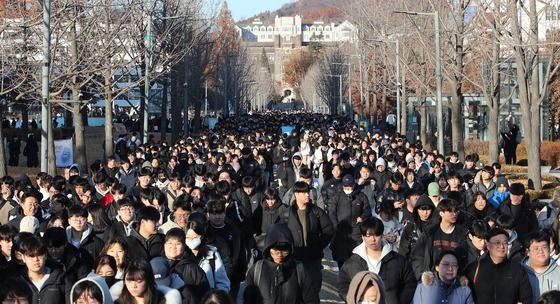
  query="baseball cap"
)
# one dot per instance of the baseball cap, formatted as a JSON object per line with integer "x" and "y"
{"x": 433, "y": 189}
{"x": 347, "y": 181}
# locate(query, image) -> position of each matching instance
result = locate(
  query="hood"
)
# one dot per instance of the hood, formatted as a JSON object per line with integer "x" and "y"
{"x": 359, "y": 284}
{"x": 278, "y": 233}
{"x": 297, "y": 154}
{"x": 74, "y": 165}
{"x": 100, "y": 282}
{"x": 361, "y": 250}
{"x": 423, "y": 200}
{"x": 552, "y": 265}
{"x": 85, "y": 234}
{"x": 512, "y": 237}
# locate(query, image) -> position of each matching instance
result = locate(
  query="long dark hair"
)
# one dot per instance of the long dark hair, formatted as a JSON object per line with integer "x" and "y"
{"x": 101, "y": 221}
{"x": 139, "y": 270}
{"x": 122, "y": 242}
{"x": 198, "y": 223}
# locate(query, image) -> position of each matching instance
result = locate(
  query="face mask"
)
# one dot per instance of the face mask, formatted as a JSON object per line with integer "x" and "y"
{"x": 194, "y": 243}
{"x": 110, "y": 280}
{"x": 348, "y": 191}
{"x": 367, "y": 302}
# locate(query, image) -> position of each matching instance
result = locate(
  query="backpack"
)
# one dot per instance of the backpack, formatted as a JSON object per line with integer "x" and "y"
{"x": 518, "y": 138}
{"x": 300, "y": 273}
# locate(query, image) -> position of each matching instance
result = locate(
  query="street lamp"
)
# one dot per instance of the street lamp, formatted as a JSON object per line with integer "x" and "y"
{"x": 339, "y": 90}
{"x": 439, "y": 105}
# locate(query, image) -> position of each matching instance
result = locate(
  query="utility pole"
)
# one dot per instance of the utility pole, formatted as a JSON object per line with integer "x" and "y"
{"x": 398, "y": 77}
{"x": 147, "y": 87}
{"x": 45, "y": 108}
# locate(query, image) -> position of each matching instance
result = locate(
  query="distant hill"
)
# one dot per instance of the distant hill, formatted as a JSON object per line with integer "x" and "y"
{"x": 309, "y": 10}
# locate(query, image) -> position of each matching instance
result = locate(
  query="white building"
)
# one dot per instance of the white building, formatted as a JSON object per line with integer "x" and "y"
{"x": 290, "y": 29}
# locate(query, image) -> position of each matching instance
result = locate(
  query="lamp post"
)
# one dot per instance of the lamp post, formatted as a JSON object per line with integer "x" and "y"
{"x": 439, "y": 101}
{"x": 45, "y": 108}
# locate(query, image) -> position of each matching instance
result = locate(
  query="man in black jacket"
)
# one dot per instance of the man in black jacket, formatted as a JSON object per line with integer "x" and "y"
{"x": 496, "y": 279}
{"x": 278, "y": 277}
{"x": 145, "y": 242}
{"x": 375, "y": 254}
{"x": 347, "y": 210}
{"x": 519, "y": 207}
{"x": 47, "y": 284}
{"x": 80, "y": 234}
{"x": 446, "y": 235}
{"x": 312, "y": 231}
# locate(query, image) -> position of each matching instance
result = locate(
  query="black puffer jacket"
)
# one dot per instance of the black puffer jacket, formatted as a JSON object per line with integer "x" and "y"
{"x": 140, "y": 248}
{"x": 526, "y": 219}
{"x": 196, "y": 282}
{"x": 414, "y": 230}
{"x": 319, "y": 232}
{"x": 264, "y": 217}
{"x": 271, "y": 283}
{"x": 395, "y": 271}
{"x": 504, "y": 283}
{"x": 54, "y": 290}
{"x": 344, "y": 209}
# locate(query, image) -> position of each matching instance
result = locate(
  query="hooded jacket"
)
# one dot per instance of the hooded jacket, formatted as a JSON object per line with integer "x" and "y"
{"x": 392, "y": 267}
{"x": 278, "y": 283}
{"x": 359, "y": 284}
{"x": 54, "y": 290}
{"x": 90, "y": 245}
{"x": 414, "y": 230}
{"x": 433, "y": 290}
{"x": 545, "y": 281}
{"x": 97, "y": 280}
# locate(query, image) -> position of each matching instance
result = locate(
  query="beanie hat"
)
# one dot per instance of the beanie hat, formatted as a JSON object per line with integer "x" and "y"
{"x": 502, "y": 181}
{"x": 517, "y": 189}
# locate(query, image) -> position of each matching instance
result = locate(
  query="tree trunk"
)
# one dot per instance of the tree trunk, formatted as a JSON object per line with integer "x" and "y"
{"x": 374, "y": 110}
{"x": 526, "y": 57}
{"x": 384, "y": 96}
{"x": 494, "y": 97}
{"x": 108, "y": 114}
{"x": 51, "y": 159}
{"x": 80, "y": 150}
{"x": 163, "y": 120}
{"x": 176, "y": 106}
{"x": 458, "y": 142}
{"x": 25, "y": 116}
{"x": 3, "y": 163}
{"x": 421, "y": 96}
{"x": 404, "y": 102}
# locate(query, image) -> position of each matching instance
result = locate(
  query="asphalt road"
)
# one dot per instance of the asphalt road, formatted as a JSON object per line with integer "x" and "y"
{"x": 329, "y": 291}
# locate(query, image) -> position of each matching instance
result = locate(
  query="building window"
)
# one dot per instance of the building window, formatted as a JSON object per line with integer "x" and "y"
{"x": 255, "y": 29}
{"x": 269, "y": 36}
{"x": 327, "y": 28}
{"x": 548, "y": 12}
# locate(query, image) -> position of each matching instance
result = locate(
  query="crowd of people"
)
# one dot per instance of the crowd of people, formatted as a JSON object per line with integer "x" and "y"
{"x": 245, "y": 213}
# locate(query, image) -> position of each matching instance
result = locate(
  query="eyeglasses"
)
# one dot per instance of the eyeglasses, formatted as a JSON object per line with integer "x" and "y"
{"x": 540, "y": 249}
{"x": 447, "y": 265}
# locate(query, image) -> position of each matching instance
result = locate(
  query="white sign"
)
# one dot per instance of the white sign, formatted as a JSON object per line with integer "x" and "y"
{"x": 64, "y": 153}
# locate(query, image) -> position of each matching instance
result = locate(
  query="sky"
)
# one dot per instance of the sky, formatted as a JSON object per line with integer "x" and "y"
{"x": 241, "y": 9}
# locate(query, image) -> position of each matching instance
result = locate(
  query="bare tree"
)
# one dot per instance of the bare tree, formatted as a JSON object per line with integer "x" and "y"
{"x": 331, "y": 80}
